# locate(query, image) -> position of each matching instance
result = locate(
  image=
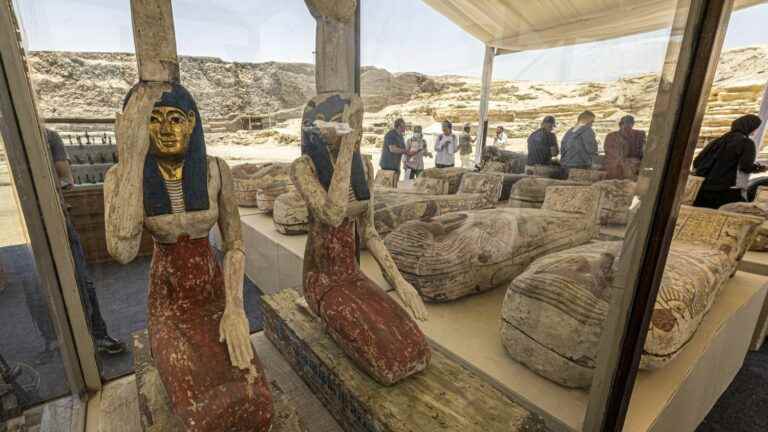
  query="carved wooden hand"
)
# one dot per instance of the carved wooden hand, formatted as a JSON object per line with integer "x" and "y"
{"x": 233, "y": 330}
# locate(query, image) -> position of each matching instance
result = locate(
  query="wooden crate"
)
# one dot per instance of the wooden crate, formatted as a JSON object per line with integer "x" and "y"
{"x": 446, "y": 397}
{"x": 87, "y": 215}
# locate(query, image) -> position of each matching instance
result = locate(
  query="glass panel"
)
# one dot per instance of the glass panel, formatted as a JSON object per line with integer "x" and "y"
{"x": 30, "y": 360}
{"x": 712, "y": 278}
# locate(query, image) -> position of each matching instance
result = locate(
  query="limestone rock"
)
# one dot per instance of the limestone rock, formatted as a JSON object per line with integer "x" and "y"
{"x": 553, "y": 313}
{"x": 463, "y": 253}
{"x": 381, "y": 88}
{"x": 258, "y": 185}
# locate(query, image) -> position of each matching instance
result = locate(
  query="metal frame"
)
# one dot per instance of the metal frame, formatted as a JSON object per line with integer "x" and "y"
{"x": 29, "y": 161}
{"x": 688, "y": 74}
{"x": 485, "y": 96}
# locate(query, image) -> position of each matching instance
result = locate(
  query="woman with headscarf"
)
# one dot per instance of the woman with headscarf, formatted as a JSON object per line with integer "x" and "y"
{"x": 336, "y": 183}
{"x": 726, "y": 164}
{"x": 415, "y": 150}
{"x": 198, "y": 330}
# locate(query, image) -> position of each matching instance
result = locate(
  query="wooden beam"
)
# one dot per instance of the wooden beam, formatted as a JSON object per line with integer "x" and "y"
{"x": 154, "y": 36}
{"x": 686, "y": 78}
{"x": 336, "y": 46}
{"x": 485, "y": 94}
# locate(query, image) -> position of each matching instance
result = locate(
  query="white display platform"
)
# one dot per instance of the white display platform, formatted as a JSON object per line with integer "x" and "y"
{"x": 274, "y": 261}
{"x": 674, "y": 398}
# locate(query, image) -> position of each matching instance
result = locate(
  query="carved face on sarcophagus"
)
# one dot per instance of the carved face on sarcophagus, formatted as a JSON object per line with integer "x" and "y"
{"x": 459, "y": 254}
{"x": 553, "y": 314}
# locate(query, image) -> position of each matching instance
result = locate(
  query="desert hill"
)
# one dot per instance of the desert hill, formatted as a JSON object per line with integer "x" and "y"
{"x": 93, "y": 84}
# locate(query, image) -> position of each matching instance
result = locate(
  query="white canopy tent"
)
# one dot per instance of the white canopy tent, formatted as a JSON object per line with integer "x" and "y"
{"x": 517, "y": 25}
{"x": 507, "y": 26}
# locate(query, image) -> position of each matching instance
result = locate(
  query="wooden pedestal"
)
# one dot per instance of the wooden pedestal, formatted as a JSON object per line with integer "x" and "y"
{"x": 155, "y": 412}
{"x": 445, "y": 397}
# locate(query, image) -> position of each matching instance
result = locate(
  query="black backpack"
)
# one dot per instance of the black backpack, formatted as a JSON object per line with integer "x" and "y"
{"x": 706, "y": 160}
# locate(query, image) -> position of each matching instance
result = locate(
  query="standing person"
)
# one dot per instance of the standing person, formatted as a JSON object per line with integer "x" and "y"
{"x": 465, "y": 148}
{"x": 415, "y": 150}
{"x": 500, "y": 140}
{"x": 393, "y": 150}
{"x": 446, "y": 146}
{"x": 61, "y": 167}
{"x": 726, "y": 164}
{"x": 624, "y": 150}
{"x": 579, "y": 145}
{"x": 542, "y": 143}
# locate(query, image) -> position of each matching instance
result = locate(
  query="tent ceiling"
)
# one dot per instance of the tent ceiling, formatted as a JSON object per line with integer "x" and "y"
{"x": 517, "y": 25}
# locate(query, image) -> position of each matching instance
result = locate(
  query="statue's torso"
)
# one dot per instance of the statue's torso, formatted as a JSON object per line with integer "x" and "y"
{"x": 168, "y": 228}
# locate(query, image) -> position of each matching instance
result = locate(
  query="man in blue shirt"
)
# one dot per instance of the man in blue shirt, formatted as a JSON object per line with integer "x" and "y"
{"x": 394, "y": 148}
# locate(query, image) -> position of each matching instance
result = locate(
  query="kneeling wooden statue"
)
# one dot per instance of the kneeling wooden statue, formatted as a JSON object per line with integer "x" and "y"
{"x": 198, "y": 331}
{"x": 337, "y": 185}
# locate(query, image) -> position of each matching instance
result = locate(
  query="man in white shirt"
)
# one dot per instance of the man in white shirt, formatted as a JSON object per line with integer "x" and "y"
{"x": 501, "y": 138}
{"x": 446, "y": 146}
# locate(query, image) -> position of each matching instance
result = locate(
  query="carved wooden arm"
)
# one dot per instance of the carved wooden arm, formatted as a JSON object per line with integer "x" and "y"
{"x": 234, "y": 327}
{"x": 123, "y": 193}
{"x": 376, "y": 247}
{"x": 330, "y": 207}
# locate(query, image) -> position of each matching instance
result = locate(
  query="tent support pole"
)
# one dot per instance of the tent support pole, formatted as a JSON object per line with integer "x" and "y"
{"x": 759, "y": 135}
{"x": 485, "y": 93}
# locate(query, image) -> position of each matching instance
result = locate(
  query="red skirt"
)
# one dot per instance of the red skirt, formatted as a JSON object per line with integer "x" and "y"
{"x": 186, "y": 303}
{"x": 373, "y": 330}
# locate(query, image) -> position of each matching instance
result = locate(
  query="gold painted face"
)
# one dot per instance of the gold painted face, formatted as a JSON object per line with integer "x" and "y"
{"x": 169, "y": 132}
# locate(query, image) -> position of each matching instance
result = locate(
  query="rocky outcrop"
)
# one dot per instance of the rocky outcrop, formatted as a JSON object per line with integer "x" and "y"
{"x": 381, "y": 88}
{"x": 94, "y": 84}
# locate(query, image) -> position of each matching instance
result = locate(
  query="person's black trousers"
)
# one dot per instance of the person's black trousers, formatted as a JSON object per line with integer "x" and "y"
{"x": 85, "y": 285}
{"x": 715, "y": 199}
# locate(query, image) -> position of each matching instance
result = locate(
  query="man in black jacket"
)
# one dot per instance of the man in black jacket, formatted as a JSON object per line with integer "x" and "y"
{"x": 726, "y": 164}
{"x": 542, "y": 143}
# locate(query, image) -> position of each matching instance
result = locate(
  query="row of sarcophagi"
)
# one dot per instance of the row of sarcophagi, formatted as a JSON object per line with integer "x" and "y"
{"x": 452, "y": 237}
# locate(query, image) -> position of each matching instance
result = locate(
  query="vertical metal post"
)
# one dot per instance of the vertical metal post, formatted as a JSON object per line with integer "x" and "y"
{"x": 485, "y": 94}
{"x": 759, "y": 135}
{"x": 358, "y": 47}
{"x": 686, "y": 78}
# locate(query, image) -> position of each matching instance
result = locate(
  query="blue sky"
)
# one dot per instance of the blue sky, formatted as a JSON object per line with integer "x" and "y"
{"x": 399, "y": 35}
